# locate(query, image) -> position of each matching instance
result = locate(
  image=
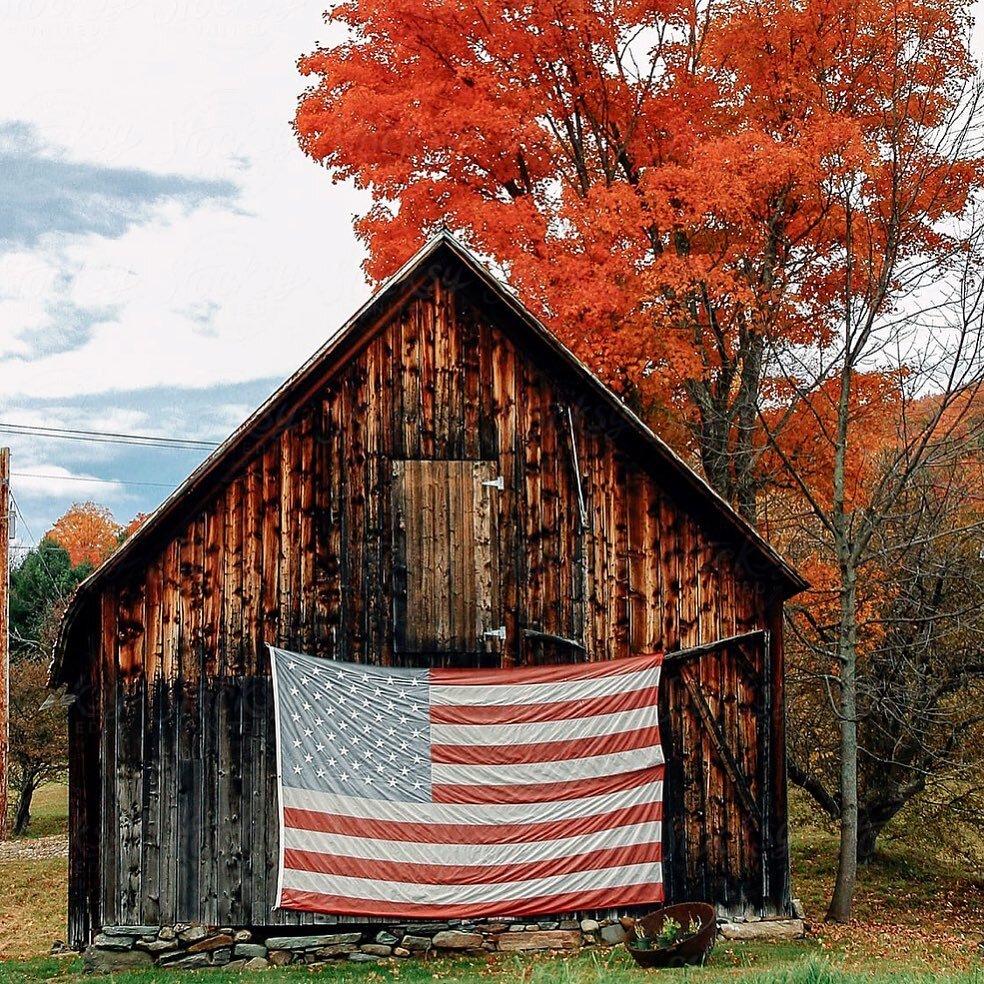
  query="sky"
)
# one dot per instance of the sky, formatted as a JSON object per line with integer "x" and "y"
{"x": 168, "y": 256}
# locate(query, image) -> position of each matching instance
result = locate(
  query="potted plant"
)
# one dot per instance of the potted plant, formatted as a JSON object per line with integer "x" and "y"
{"x": 677, "y": 934}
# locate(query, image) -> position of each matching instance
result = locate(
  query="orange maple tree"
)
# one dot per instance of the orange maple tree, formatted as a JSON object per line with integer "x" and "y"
{"x": 659, "y": 179}
{"x": 134, "y": 525}
{"x": 88, "y": 532}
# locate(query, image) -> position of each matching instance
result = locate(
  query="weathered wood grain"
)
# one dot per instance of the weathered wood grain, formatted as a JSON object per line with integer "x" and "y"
{"x": 357, "y": 527}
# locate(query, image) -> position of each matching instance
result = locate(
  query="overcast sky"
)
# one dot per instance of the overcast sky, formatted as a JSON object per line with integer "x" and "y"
{"x": 167, "y": 254}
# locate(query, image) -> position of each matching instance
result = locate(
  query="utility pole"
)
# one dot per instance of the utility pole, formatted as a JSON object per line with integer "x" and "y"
{"x": 4, "y": 635}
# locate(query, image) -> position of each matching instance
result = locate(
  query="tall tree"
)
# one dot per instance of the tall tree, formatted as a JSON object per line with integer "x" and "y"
{"x": 40, "y": 586}
{"x": 656, "y": 179}
{"x": 38, "y": 738}
{"x": 920, "y": 675}
{"x": 88, "y": 532}
{"x": 866, "y": 441}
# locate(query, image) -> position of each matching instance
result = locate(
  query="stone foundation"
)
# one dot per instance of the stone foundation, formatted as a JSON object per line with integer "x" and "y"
{"x": 186, "y": 947}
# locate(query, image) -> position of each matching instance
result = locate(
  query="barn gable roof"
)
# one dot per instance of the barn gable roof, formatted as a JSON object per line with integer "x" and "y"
{"x": 443, "y": 257}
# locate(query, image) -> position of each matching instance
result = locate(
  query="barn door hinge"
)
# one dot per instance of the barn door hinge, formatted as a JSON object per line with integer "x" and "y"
{"x": 499, "y": 633}
{"x": 495, "y": 483}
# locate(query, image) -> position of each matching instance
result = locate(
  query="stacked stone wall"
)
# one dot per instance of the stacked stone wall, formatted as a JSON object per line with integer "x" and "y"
{"x": 188, "y": 947}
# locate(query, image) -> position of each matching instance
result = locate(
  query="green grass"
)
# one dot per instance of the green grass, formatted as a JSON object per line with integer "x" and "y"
{"x": 613, "y": 967}
{"x": 33, "y": 905}
{"x": 902, "y": 883}
{"x": 49, "y": 810}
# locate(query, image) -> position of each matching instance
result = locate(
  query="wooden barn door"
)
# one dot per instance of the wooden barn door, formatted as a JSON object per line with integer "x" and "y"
{"x": 724, "y": 838}
{"x": 446, "y": 596}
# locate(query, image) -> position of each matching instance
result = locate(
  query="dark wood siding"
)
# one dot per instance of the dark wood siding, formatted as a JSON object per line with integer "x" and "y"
{"x": 298, "y": 549}
{"x": 318, "y": 540}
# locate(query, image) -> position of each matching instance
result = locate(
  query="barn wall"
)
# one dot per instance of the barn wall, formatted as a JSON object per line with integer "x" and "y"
{"x": 300, "y": 549}
{"x": 297, "y": 550}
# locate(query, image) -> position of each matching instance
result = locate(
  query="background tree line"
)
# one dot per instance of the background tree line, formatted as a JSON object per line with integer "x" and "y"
{"x": 41, "y": 584}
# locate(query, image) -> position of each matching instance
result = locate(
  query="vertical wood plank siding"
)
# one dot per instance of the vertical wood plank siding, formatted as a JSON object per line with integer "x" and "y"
{"x": 302, "y": 547}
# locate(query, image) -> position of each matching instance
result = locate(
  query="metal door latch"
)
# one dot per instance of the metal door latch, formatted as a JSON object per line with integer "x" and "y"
{"x": 499, "y": 633}
{"x": 495, "y": 483}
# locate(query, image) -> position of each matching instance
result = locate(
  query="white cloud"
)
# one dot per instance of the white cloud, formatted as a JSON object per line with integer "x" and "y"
{"x": 192, "y": 294}
{"x": 105, "y": 326}
{"x": 27, "y": 280}
{"x": 50, "y": 481}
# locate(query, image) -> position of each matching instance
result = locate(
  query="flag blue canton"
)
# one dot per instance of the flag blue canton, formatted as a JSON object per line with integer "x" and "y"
{"x": 353, "y": 730}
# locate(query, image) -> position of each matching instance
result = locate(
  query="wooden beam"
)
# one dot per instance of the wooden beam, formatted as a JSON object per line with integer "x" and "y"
{"x": 728, "y": 760}
{"x": 695, "y": 652}
{"x": 4, "y": 636}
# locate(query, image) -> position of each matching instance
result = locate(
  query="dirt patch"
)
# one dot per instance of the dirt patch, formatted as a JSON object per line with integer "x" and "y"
{"x": 55, "y": 846}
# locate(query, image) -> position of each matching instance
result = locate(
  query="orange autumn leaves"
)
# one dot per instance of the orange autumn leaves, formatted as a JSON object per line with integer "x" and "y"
{"x": 659, "y": 179}
{"x": 90, "y": 533}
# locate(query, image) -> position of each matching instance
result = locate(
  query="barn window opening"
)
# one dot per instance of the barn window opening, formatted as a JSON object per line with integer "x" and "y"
{"x": 447, "y": 607}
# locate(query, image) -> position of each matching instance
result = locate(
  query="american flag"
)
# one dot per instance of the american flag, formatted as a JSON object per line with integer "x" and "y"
{"x": 462, "y": 793}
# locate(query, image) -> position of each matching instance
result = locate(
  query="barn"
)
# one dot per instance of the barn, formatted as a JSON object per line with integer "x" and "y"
{"x": 442, "y": 484}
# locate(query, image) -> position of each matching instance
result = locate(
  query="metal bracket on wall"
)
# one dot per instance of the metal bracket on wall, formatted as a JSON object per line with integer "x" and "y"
{"x": 495, "y": 483}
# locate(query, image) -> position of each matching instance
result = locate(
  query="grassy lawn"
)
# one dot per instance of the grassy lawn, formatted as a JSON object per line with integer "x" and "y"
{"x": 910, "y": 906}
{"x": 32, "y": 891}
{"x": 747, "y": 963}
{"x": 33, "y": 906}
{"x": 918, "y": 921}
{"x": 49, "y": 810}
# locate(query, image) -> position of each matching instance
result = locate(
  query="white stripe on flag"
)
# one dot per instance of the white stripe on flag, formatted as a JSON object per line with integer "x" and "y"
{"x": 570, "y": 729}
{"x": 538, "y": 773}
{"x": 565, "y": 692}
{"x": 471, "y": 855}
{"x": 467, "y": 894}
{"x": 394, "y": 811}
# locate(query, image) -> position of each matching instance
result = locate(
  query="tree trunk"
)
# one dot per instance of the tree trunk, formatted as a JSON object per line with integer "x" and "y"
{"x": 727, "y": 430}
{"x": 847, "y": 639}
{"x": 874, "y": 816}
{"x": 868, "y": 831}
{"x": 746, "y": 483}
{"x": 847, "y": 861}
{"x": 23, "y": 817}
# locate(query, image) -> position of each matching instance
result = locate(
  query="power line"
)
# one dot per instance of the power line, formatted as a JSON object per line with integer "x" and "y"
{"x": 104, "y": 481}
{"x": 108, "y": 437}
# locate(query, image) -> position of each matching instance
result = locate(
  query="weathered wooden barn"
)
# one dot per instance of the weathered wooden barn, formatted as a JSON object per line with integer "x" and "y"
{"x": 443, "y": 483}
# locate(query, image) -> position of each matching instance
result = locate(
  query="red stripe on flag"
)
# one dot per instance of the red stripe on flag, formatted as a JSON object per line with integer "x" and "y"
{"x": 479, "y": 874}
{"x": 603, "y": 898}
{"x": 466, "y": 833}
{"x": 526, "y": 675}
{"x": 560, "y": 711}
{"x": 546, "y": 791}
{"x": 545, "y": 751}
